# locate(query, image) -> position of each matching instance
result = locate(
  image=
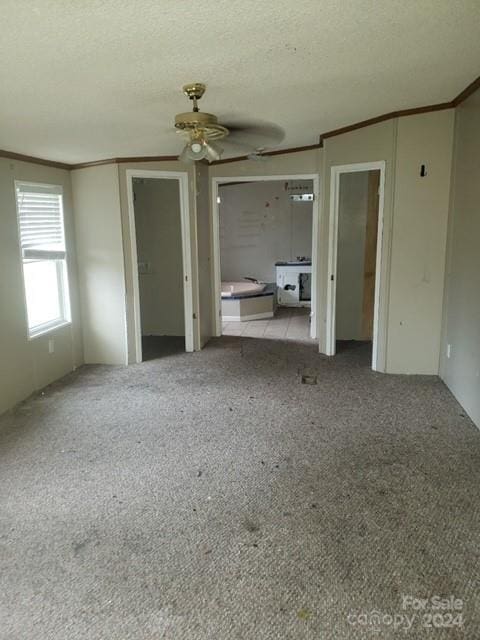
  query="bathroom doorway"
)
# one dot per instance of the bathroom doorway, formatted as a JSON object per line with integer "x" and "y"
{"x": 265, "y": 250}
{"x": 162, "y": 298}
{"x": 355, "y": 260}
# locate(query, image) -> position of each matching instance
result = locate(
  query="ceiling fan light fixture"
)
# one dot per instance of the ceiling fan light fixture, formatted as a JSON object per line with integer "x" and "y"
{"x": 214, "y": 151}
{"x": 199, "y": 128}
{"x": 196, "y": 147}
{"x": 194, "y": 150}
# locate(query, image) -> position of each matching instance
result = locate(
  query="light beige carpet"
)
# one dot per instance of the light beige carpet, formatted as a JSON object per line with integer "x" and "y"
{"x": 214, "y": 496}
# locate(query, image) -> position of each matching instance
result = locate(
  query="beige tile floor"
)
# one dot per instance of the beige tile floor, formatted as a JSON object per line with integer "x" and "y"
{"x": 289, "y": 323}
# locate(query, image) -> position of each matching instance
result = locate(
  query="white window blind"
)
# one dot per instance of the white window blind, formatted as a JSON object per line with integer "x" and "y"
{"x": 40, "y": 219}
{"x": 42, "y": 244}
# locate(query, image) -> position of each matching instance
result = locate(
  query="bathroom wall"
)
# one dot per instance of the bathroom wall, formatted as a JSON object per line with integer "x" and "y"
{"x": 260, "y": 225}
{"x": 352, "y": 223}
{"x": 159, "y": 252}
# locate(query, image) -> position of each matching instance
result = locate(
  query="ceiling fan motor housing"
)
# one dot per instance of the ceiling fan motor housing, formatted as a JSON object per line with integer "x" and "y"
{"x": 200, "y": 121}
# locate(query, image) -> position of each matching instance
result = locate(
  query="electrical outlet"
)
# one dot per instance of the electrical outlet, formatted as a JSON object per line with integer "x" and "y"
{"x": 51, "y": 346}
{"x": 449, "y": 350}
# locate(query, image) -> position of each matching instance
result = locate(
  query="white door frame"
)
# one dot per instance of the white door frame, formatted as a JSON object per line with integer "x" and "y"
{"x": 182, "y": 178}
{"x": 378, "y": 319}
{"x": 217, "y": 279}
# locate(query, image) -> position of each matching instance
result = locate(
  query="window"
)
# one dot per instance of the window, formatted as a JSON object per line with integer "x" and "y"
{"x": 42, "y": 243}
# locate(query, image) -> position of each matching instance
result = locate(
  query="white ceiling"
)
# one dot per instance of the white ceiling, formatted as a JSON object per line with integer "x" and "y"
{"x": 83, "y": 80}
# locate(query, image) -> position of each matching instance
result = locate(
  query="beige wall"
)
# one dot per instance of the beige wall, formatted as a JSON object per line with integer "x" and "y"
{"x": 260, "y": 225}
{"x": 461, "y": 371}
{"x": 26, "y": 365}
{"x": 100, "y": 263}
{"x": 158, "y": 231}
{"x": 352, "y": 226}
{"x": 419, "y": 242}
{"x": 204, "y": 252}
{"x": 414, "y": 228}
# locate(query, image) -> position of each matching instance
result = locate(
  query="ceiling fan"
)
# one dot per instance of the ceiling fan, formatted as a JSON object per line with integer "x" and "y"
{"x": 202, "y": 131}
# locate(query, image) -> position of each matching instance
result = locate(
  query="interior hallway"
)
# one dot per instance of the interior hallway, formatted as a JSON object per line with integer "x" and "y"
{"x": 213, "y": 495}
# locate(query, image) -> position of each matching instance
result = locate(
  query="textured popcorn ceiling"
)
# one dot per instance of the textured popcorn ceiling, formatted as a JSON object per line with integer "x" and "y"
{"x": 88, "y": 79}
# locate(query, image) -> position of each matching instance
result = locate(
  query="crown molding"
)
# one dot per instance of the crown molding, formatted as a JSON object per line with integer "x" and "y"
{"x": 277, "y": 152}
{"x": 96, "y": 163}
{"x": 385, "y": 116}
{"x": 19, "y": 156}
{"x": 463, "y": 95}
{"x": 467, "y": 92}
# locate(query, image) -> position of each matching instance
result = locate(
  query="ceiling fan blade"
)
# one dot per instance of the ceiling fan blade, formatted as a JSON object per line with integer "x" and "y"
{"x": 255, "y": 134}
{"x": 237, "y": 145}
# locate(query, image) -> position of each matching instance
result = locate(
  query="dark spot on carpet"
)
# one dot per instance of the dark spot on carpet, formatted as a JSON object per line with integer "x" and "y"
{"x": 250, "y": 526}
{"x": 79, "y": 546}
{"x": 304, "y": 614}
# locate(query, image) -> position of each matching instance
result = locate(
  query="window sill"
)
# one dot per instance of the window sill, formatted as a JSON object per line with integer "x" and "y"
{"x": 48, "y": 329}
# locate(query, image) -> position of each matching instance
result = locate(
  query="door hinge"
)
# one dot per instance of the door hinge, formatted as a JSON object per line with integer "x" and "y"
{"x": 332, "y": 277}
{"x": 194, "y": 316}
{"x": 186, "y": 278}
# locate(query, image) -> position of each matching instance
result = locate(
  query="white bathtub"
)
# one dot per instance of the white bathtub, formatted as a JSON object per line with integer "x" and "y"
{"x": 244, "y": 288}
{"x": 245, "y": 301}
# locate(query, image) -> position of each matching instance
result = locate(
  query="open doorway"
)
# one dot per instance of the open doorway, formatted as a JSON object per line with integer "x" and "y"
{"x": 355, "y": 260}
{"x": 162, "y": 297}
{"x": 266, "y": 256}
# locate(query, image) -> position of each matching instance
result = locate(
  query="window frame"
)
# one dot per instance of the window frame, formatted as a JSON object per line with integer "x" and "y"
{"x": 60, "y": 259}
